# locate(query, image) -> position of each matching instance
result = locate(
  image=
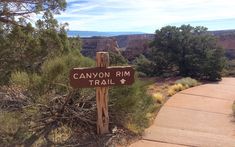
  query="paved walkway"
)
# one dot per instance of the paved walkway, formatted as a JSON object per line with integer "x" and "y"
{"x": 199, "y": 116}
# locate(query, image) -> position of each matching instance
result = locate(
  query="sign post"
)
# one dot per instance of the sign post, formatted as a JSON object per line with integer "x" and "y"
{"x": 102, "y": 60}
{"x": 102, "y": 76}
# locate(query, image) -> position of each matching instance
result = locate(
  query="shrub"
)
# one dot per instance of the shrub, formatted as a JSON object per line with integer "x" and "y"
{"x": 188, "y": 82}
{"x": 60, "y": 134}
{"x": 20, "y": 79}
{"x": 141, "y": 74}
{"x": 26, "y": 48}
{"x": 230, "y": 69}
{"x": 53, "y": 68}
{"x": 116, "y": 59}
{"x": 131, "y": 106}
{"x": 233, "y": 108}
{"x": 58, "y": 68}
{"x": 158, "y": 97}
{"x": 133, "y": 127}
{"x": 182, "y": 84}
{"x": 35, "y": 81}
{"x": 11, "y": 128}
{"x": 9, "y": 122}
{"x": 55, "y": 71}
{"x": 175, "y": 88}
{"x": 187, "y": 51}
{"x": 143, "y": 66}
{"x": 178, "y": 87}
{"x": 31, "y": 84}
{"x": 171, "y": 92}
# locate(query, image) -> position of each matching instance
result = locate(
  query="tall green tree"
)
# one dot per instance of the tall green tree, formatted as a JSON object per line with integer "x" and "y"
{"x": 187, "y": 50}
{"x": 26, "y": 48}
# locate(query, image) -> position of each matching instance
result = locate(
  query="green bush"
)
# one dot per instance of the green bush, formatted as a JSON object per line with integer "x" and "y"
{"x": 26, "y": 48}
{"x": 55, "y": 71}
{"x": 11, "y": 128}
{"x": 116, "y": 59}
{"x": 36, "y": 81}
{"x": 230, "y": 69}
{"x": 187, "y": 82}
{"x": 60, "y": 134}
{"x": 132, "y": 105}
{"x": 9, "y": 121}
{"x": 43, "y": 57}
{"x": 20, "y": 79}
{"x": 53, "y": 68}
{"x": 187, "y": 51}
{"x": 31, "y": 84}
{"x": 143, "y": 66}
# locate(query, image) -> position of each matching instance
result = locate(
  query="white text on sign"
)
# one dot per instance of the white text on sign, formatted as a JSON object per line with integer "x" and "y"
{"x": 101, "y": 78}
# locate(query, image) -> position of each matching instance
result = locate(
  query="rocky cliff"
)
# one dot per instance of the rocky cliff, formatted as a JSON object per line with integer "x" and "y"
{"x": 94, "y": 44}
{"x": 130, "y": 45}
{"x": 134, "y": 45}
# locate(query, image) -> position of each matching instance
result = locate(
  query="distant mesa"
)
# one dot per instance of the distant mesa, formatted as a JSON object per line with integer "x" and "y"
{"x": 83, "y": 34}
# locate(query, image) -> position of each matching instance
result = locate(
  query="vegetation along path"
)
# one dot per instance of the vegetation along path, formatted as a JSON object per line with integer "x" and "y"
{"x": 199, "y": 116}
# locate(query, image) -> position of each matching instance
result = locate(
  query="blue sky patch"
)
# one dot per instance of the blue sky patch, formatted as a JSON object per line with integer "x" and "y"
{"x": 147, "y": 15}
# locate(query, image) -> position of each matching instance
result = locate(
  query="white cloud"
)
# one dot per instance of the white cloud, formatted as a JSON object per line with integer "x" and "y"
{"x": 142, "y": 15}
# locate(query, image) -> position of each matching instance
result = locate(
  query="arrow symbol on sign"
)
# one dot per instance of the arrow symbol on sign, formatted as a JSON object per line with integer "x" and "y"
{"x": 123, "y": 81}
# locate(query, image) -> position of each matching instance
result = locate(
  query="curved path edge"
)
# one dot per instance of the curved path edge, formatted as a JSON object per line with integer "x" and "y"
{"x": 199, "y": 116}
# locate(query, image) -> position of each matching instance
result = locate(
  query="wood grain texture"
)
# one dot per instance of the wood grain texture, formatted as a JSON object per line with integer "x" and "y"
{"x": 102, "y": 60}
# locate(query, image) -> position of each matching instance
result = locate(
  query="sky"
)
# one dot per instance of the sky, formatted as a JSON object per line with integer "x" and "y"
{"x": 147, "y": 15}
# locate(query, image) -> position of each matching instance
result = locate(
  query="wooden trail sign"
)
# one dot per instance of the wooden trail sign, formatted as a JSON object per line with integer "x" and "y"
{"x": 102, "y": 77}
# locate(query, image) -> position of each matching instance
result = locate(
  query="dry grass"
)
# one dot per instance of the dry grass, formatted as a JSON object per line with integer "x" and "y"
{"x": 158, "y": 97}
{"x": 175, "y": 88}
{"x": 164, "y": 88}
{"x": 187, "y": 82}
{"x": 233, "y": 108}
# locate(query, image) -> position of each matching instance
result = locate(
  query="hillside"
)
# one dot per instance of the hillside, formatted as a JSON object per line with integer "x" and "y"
{"x": 226, "y": 38}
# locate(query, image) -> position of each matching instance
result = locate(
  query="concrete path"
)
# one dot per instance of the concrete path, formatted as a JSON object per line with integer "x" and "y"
{"x": 198, "y": 117}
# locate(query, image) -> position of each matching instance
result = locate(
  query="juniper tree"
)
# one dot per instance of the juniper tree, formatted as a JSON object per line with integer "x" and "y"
{"x": 190, "y": 51}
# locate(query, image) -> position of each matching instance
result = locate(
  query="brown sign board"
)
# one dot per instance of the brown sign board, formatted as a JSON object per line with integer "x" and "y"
{"x": 101, "y": 76}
